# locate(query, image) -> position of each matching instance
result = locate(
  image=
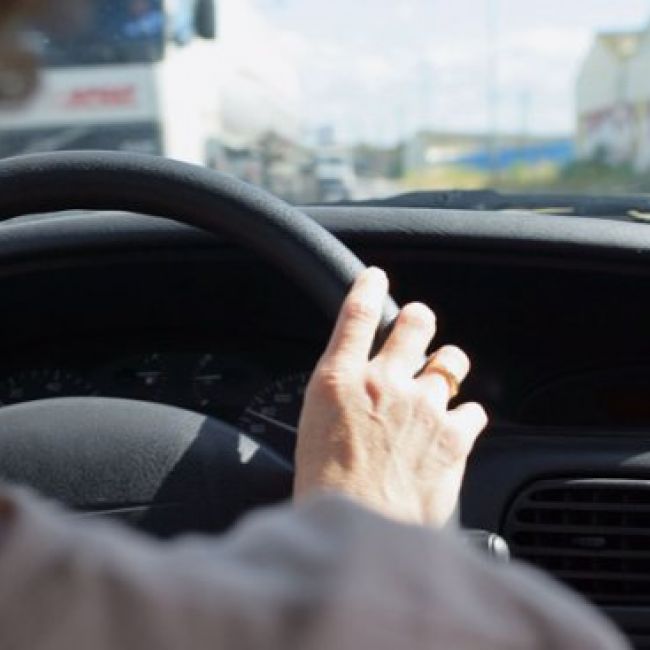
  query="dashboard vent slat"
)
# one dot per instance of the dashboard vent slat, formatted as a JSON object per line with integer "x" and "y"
{"x": 592, "y": 534}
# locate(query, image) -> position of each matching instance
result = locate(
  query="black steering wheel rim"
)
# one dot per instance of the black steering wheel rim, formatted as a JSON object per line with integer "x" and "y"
{"x": 159, "y": 187}
{"x": 194, "y": 474}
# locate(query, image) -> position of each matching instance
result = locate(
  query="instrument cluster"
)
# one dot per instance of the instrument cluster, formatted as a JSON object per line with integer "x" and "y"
{"x": 258, "y": 390}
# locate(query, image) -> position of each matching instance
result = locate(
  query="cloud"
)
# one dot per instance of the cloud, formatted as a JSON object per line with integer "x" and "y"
{"x": 377, "y": 69}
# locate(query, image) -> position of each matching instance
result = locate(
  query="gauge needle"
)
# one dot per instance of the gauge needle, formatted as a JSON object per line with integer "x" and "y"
{"x": 277, "y": 423}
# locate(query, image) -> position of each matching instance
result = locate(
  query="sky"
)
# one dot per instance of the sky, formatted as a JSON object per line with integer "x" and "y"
{"x": 376, "y": 70}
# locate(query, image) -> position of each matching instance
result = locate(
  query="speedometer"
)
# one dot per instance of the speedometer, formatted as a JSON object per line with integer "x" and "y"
{"x": 45, "y": 383}
{"x": 272, "y": 415}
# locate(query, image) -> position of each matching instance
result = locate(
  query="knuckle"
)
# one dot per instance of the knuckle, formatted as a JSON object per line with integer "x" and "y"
{"x": 429, "y": 403}
{"x": 327, "y": 382}
{"x": 360, "y": 311}
{"x": 389, "y": 385}
{"x": 398, "y": 386}
{"x": 375, "y": 379}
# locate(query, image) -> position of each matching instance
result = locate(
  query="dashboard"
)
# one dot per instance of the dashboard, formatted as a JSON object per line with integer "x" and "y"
{"x": 163, "y": 314}
{"x": 260, "y": 391}
{"x": 553, "y": 312}
{"x": 258, "y": 388}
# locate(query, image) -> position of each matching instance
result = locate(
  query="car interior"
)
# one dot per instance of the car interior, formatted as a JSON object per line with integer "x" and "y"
{"x": 141, "y": 335}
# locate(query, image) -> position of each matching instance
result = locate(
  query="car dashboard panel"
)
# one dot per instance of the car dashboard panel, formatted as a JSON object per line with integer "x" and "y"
{"x": 604, "y": 398}
{"x": 554, "y": 317}
{"x": 551, "y": 348}
{"x": 258, "y": 388}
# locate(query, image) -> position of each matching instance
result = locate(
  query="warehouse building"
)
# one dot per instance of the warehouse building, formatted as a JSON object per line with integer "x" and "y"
{"x": 613, "y": 100}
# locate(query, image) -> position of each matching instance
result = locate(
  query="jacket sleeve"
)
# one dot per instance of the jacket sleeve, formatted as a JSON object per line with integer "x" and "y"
{"x": 325, "y": 575}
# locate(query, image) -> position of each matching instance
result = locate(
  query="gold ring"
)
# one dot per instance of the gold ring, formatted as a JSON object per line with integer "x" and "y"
{"x": 452, "y": 381}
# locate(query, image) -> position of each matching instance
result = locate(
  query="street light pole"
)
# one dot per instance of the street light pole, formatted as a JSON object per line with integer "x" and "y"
{"x": 492, "y": 88}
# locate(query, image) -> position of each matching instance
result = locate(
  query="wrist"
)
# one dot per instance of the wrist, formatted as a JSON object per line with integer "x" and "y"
{"x": 405, "y": 506}
{"x": 430, "y": 504}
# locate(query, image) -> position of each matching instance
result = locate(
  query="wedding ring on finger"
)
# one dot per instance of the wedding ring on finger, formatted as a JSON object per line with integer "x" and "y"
{"x": 434, "y": 366}
{"x": 452, "y": 364}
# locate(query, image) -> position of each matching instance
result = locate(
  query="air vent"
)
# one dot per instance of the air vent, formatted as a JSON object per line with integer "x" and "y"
{"x": 593, "y": 534}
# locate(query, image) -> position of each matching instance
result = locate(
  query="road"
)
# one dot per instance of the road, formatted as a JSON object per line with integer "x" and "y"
{"x": 375, "y": 188}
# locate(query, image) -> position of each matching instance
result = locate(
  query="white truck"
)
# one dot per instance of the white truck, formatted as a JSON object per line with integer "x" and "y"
{"x": 335, "y": 175}
{"x": 196, "y": 80}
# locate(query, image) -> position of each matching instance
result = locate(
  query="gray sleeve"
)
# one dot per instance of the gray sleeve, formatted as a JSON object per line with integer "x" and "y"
{"x": 325, "y": 575}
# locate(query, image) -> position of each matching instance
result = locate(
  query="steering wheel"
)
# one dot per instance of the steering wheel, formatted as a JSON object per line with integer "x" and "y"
{"x": 165, "y": 469}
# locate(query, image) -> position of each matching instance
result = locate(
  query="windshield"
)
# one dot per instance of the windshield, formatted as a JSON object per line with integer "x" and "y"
{"x": 339, "y": 101}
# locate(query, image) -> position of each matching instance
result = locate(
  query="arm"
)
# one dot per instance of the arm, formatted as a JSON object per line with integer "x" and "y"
{"x": 325, "y": 574}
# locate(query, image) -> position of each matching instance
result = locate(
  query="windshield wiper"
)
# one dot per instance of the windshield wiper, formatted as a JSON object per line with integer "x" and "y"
{"x": 634, "y": 207}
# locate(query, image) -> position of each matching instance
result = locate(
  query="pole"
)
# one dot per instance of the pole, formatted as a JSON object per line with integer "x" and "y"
{"x": 524, "y": 107}
{"x": 492, "y": 89}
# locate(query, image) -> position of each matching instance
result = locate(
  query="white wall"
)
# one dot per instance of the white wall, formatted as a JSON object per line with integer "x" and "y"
{"x": 607, "y": 96}
{"x": 598, "y": 82}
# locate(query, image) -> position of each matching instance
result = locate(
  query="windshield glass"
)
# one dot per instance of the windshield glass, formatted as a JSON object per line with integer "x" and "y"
{"x": 334, "y": 101}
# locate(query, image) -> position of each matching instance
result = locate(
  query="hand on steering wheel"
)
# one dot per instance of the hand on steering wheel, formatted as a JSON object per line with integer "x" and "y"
{"x": 380, "y": 430}
{"x": 372, "y": 429}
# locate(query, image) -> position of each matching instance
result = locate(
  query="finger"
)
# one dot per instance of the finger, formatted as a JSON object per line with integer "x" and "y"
{"x": 469, "y": 420}
{"x": 359, "y": 318}
{"x": 436, "y": 377}
{"x": 407, "y": 343}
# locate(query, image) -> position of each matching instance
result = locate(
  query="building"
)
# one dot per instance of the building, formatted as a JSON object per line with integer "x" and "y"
{"x": 613, "y": 100}
{"x": 428, "y": 149}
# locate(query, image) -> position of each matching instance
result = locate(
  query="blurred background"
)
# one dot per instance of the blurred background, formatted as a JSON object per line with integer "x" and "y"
{"x": 331, "y": 100}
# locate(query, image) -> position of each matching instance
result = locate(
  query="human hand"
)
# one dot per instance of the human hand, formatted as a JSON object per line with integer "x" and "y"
{"x": 380, "y": 430}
